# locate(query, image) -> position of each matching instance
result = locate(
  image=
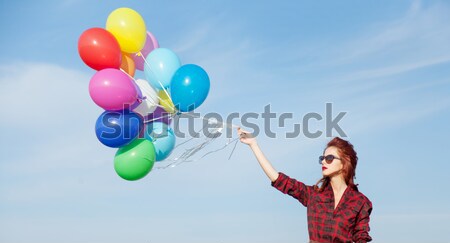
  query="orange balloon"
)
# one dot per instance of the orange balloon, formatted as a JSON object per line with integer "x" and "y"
{"x": 127, "y": 64}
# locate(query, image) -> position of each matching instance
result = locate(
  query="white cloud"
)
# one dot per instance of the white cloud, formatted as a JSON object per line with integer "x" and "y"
{"x": 419, "y": 34}
{"x": 391, "y": 70}
{"x": 43, "y": 95}
{"x": 48, "y": 130}
{"x": 49, "y": 112}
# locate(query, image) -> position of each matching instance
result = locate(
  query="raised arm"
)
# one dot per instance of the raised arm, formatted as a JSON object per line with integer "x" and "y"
{"x": 280, "y": 181}
{"x": 247, "y": 138}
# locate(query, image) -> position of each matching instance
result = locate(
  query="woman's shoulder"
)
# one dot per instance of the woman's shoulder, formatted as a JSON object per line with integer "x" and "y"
{"x": 362, "y": 199}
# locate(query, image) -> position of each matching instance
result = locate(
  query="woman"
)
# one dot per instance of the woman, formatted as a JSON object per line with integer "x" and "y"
{"x": 337, "y": 211}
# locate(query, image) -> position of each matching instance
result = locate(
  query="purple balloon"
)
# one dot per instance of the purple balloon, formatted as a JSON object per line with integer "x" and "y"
{"x": 150, "y": 44}
{"x": 112, "y": 89}
{"x": 140, "y": 97}
{"x": 159, "y": 115}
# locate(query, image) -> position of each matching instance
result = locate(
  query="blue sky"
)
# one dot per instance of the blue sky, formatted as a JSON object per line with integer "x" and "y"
{"x": 385, "y": 63}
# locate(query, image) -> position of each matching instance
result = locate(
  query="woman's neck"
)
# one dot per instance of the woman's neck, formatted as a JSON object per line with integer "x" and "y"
{"x": 338, "y": 183}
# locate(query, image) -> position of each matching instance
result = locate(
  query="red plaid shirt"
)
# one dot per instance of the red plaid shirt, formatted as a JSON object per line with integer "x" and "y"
{"x": 348, "y": 223}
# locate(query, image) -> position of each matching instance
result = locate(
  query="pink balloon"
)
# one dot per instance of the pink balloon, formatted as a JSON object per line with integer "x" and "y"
{"x": 112, "y": 89}
{"x": 150, "y": 44}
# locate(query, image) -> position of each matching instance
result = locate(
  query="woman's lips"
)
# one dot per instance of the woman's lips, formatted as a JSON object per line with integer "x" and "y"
{"x": 324, "y": 168}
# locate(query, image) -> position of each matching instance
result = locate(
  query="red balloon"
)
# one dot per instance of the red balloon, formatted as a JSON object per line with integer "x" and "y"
{"x": 99, "y": 49}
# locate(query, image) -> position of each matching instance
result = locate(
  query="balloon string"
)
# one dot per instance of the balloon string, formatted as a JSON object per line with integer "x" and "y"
{"x": 184, "y": 159}
{"x": 161, "y": 117}
{"x": 190, "y": 139}
{"x": 127, "y": 74}
{"x": 230, "y": 125}
{"x": 189, "y": 152}
{"x": 226, "y": 145}
{"x": 232, "y": 151}
{"x": 162, "y": 86}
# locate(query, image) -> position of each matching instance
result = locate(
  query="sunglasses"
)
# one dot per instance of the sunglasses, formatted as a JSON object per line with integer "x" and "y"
{"x": 328, "y": 158}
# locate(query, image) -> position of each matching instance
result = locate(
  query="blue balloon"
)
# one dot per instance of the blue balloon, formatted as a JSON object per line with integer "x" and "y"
{"x": 118, "y": 128}
{"x": 189, "y": 87}
{"x": 162, "y": 137}
{"x": 160, "y": 66}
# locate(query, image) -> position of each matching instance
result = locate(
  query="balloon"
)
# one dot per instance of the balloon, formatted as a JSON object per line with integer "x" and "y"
{"x": 135, "y": 160}
{"x": 150, "y": 44}
{"x": 160, "y": 67}
{"x": 127, "y": 64}
{"x": 159, "y": 115}
{"x": 99, "y": 49}
{"x": 118, "y": 128}
{"x": 166, "y": 102}
{"x": 189, "y": 87}
{"x": 128, "y": 27}
{"x": 112, "y": 89}
{"x": 162, "y": 137}
{"x": 140, "y": 97}
{"x": 149, "y": 98}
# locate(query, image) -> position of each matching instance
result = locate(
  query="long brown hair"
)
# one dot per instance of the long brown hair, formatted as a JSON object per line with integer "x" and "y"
{"x": 349, "y": 160}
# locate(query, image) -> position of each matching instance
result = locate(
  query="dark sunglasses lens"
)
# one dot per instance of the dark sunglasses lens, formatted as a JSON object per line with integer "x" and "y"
{"x": 329, "y": 158}
{"x": 320, "y": 159}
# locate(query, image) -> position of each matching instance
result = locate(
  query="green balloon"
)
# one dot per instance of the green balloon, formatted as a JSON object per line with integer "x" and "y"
{"x": 135, "y": 160}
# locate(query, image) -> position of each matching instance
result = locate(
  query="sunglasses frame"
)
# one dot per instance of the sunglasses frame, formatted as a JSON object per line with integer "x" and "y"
{"x": 328, "y": 158}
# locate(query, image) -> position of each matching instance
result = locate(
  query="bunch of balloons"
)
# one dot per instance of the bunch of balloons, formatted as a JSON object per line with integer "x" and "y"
{"x": 138, "y": 112}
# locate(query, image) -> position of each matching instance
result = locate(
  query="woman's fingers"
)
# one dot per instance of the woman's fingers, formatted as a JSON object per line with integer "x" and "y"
{"x": 240, "y": 131}
{"x": 246, "y": 135}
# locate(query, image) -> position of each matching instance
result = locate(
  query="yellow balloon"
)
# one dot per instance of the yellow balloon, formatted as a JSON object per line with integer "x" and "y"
{"x": 129, "y": 29}
{"x": 166, "y": 102}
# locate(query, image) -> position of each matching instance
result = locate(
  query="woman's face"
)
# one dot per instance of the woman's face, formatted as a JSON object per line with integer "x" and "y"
{"x": 335, "y": 166}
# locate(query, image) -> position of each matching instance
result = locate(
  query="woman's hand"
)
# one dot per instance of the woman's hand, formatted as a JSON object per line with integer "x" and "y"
{"x": 246, "y": 137}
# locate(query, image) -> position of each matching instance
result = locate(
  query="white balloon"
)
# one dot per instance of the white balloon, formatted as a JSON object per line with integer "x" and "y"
{"x": 150, "y": 101}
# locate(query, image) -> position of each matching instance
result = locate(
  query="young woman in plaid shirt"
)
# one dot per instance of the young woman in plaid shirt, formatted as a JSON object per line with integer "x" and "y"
{"x": 337, "y": 211}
